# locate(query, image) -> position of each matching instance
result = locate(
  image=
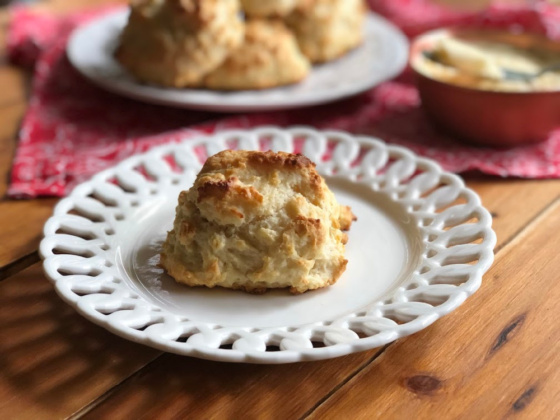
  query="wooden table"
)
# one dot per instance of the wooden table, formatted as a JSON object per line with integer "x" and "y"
{"x": 497, "y": 356}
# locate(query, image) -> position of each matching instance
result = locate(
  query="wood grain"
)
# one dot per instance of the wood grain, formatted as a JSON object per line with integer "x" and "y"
{"x": 21, "y": 228}
{"x": 497, "y": 356}
{"x": 22, "y": 221}
{"x": 180, "y": 387}
{"x": 15, "y": 84}
{"x": 10, "y": 118}
{"x": 52, "y": 361}
{"x": 4, "y": 22}
{"x": 152, "y": 392}
{"x": 513, "y": 202}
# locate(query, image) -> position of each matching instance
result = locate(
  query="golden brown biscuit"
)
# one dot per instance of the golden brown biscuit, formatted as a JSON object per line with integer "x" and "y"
{"x": 268, "y": 57}
{"x": 177, "y": 42}
{"x": 327, "y": 29}
{"x": 268, "y": 8}
{"x": 257, "y": 221}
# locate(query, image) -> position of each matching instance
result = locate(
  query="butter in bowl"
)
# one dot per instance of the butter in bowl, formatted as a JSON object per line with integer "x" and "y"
{"x": 492, "y": 88}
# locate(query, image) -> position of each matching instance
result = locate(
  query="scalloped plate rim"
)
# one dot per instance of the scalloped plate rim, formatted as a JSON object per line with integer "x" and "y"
{"x": 284, "y": 356}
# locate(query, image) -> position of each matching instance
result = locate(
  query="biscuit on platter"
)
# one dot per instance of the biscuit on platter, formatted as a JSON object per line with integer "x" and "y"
{"x": 177, "y": 42}
{"x": 256, "y": 221}
{"x": 269, "y": 56}
{"x": 268, "y": 8}
{"x": 327, "y": 29}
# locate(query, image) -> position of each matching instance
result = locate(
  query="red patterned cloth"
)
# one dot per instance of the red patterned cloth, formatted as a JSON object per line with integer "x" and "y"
{"x": 73, "y": 129}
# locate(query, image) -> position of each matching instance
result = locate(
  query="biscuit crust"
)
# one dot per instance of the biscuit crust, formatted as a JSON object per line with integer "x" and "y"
{"x": 177, "y": 42}
{"x": 327, "y": 29}
{"x": 268, "y": 57}
{"x": 256, "y": 221}
{"x": 268, "y": 8}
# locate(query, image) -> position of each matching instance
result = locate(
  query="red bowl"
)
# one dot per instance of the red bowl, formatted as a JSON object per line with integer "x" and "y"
{"x": 484, "y": 117}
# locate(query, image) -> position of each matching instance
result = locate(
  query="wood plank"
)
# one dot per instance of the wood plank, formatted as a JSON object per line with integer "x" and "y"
{"x": 492, "y": 197}
{"x": 513, "y": 202}
{"x": 19, "y": 265}
{"x": 22, "y": 221}
{"x": 21, "y": 228}
{"x": 495, "y": 357}
{"x": 180, "y": 387}
{"x": 14, "y": 83}
{"x": 4, "y": 22}
{"x": 151, "y": 392}
{"x": 10, "y": 119}
{"x": 53, "y": 361}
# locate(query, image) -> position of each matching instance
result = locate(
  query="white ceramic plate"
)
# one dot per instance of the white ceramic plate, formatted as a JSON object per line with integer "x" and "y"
{"x": 419, "y": 248}
{"x": 382, "y": 56}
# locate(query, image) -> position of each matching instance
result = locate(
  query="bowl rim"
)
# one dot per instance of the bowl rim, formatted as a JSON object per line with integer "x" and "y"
{"x": 418, "y": 42}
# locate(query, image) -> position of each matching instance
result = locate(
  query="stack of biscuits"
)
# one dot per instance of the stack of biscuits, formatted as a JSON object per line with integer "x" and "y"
{"x": 236, "y": 44}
